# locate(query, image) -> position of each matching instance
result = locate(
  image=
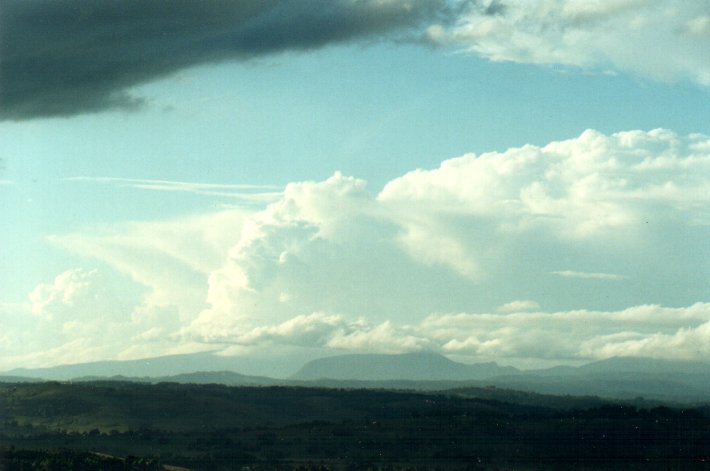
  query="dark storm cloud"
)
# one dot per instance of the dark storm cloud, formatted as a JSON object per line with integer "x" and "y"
{"x": 66, "y": 57}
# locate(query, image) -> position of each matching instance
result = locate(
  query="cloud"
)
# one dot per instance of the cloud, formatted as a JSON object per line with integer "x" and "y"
{"x": 326, "y": 246}
{"x": 466, "y": 236}
{"x": 383, "y": 338}
{"x": 598, "y": 204}
{"x": 77, "y": 350}
{"x": 65, "y": 288}
{"x": 81, "y": 315}
{"x": 699, "y": 26}
{"x": 80, "y": 295}
{"x": 68, "y": 57}
{"x": 306, "y": 330}
{"x": 588, "y": 276}
{"x": 686, "y": 343}
{"x": 171, "y": 259}
{"x": 665, "y": 40}
{"x": 431, "y": 262}
{"x": 61, "y": 58}
{"x": 511, "y": 337}
{"x": 646, "y": 330}
{"x": 519, "y": 306}
{"x": 242, "y": 192}
{"x": 334, "y": 331}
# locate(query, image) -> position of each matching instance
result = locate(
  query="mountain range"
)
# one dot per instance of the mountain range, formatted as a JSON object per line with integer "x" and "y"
{"x": 619, "y": 378}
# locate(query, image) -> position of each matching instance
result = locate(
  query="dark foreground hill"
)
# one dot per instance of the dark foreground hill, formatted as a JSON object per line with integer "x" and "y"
{"x": 215, "y": 427}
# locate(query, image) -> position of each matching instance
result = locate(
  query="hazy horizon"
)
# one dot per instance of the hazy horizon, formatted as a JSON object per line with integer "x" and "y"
{"x": 492, "y": 180}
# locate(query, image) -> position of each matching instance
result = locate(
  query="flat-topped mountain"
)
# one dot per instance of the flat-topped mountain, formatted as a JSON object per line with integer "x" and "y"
{"x": 420, "y": 366}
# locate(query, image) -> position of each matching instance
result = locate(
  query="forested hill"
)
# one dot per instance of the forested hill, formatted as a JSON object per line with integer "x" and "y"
{"x": 215, "y": 427}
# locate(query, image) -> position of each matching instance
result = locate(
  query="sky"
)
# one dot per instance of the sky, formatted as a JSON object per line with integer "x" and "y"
{"x": 526, "y": 182}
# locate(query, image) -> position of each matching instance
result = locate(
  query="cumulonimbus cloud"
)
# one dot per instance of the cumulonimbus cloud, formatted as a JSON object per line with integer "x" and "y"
{"x": 65, "y": 57}
{"x": 591, "y": 219}
{"x": 584, "y": 248}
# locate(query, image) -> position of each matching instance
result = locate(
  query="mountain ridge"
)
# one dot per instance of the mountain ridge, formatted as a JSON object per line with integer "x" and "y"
{"x": 621, "y": 378}
{"x": 409, "y": 366}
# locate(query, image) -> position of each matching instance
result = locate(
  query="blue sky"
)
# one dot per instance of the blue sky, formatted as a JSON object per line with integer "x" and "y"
{"x": 429, "y": 185}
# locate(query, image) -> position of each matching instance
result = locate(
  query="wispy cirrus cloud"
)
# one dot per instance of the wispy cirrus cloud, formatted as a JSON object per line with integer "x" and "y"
{"x": 589, "y": 275}
{"x": 242, "y": 192}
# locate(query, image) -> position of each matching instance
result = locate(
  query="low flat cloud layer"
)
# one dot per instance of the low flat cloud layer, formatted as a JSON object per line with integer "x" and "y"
{"x": 60, "y": 58}
{"x": 581, "y": 249}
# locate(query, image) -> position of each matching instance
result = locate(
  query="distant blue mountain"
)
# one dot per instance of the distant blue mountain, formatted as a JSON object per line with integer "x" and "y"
{"x": 421, "y": 366}
{"x": 612, "y": 378}
{"x": 645, "y": 365}
{"x": 159, "y": 366}
{"x": 165, "y": 366}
